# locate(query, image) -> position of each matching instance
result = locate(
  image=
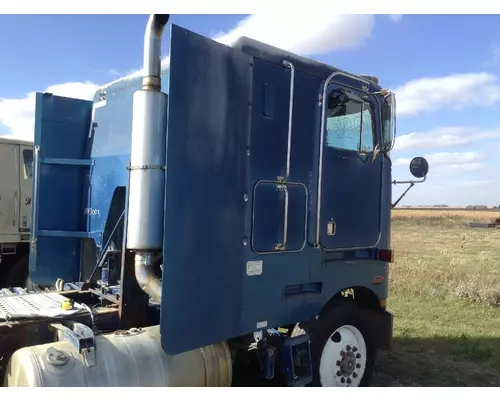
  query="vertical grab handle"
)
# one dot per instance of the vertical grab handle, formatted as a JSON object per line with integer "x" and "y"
{"x": 34, "y": 205}
{"x": 16, "y": 209}
{"x": 288, "y": 64}
{"x": 282, "y": 246}
{"x": 18, "y": 180}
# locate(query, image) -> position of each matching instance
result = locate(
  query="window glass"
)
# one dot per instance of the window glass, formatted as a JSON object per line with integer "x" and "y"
{"x": 344, "y": 127}
{"x": 28, "y": 163}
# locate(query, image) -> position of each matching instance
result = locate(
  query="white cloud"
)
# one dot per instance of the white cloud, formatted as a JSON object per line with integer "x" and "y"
{"x": 476, "y": 183}
{"x": 308, "y": 33}
{"x": 451, "y": 136}
{"x": 446, "y": 158}
{"x": 305, "y": 33}
{"x": 455, "y": 178}
{"x": 318, "y": 33}
{"x": 494, "y": 61}
{"x": 457, "y": 91}
{"x": 18, "y": 114}
{"x": 449, "y": 163}
{"x": 396, "y": 17}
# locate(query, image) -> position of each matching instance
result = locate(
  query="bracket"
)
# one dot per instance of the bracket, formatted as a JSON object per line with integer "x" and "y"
{"x": 80, "y": 336}
{"x": 291, "y": 354}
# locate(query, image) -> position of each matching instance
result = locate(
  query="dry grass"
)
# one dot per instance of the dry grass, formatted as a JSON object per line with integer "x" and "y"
{"x": 443, "y": 284}
{"x": 438, "y": 255}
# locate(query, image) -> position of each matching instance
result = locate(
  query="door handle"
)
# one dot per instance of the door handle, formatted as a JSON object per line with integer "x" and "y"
{"x": 15, "y": 209}
{"x": 282, "y": 246}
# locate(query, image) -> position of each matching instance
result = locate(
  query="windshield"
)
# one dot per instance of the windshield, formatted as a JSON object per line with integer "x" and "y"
{"x": 343, "y": 126}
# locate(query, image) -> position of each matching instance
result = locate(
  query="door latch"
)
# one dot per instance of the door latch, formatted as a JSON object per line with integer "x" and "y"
{"x": 330, "y": 228}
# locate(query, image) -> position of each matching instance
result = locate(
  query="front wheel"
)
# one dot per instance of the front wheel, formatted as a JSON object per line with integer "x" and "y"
{"x": 342, "y": 349}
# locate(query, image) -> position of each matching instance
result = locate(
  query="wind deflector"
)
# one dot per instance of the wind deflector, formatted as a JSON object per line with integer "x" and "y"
{"x": 206, "y": 179}
{"x": 59, "y": 170}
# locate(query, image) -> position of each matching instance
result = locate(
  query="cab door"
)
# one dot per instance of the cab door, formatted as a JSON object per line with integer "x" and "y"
{"x": 9, "y": 189}
{"x": 25, "y": 177}
{"x": 351, "y": 170}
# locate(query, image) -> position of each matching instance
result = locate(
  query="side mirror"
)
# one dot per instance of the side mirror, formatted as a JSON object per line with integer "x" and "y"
{"x": 388, "y": 122}
{"x": 419, "y": 168}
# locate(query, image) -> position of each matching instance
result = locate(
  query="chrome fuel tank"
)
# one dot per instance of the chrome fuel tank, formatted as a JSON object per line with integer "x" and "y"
{"x": 123, "y": 358}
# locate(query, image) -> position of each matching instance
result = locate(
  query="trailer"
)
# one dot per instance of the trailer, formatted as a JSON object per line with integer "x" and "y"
{"x": 221, "y": 220}
{"x": 16, "y": 157}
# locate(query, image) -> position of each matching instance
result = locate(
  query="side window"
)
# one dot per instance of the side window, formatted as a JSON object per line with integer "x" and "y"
{"x": 28, "y": 163}
{"x": 343, "y": 126}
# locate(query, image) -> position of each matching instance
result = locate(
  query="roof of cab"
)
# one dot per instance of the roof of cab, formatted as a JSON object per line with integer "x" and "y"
{"x": 256, "y": 49}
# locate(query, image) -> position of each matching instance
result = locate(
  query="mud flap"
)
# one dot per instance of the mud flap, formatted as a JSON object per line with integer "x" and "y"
{"x": 207, "y": 219}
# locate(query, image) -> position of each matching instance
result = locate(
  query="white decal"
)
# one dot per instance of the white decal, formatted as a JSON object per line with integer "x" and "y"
{"x": 91, "y": 211}
{"x": 261, "y": 324}
{"x": 254, "y": 268}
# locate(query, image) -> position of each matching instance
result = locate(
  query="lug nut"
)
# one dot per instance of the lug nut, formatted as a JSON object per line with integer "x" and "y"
{"x": 339, "y": 373}
{"x": 358, "y": 366}
{"x": 348, "y": 348}
{"x": 354, "y": 375}
{"x": 354, "y": 348}
{"x": 342, "y": 380}
{"x": 342, "y": 353}
{"x": 358, "y": 355}
{"x": 338, "y": 363}
{"x": 349, "y": 380}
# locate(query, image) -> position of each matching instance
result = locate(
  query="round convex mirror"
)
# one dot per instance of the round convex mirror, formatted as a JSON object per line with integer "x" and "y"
{"x": 419, "y": 167}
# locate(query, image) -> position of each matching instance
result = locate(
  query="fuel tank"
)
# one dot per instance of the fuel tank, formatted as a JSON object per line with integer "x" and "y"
{"x": 122, "y": 358}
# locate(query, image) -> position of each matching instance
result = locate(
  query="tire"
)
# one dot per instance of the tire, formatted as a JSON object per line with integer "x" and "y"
{"x": 342, "y": 348}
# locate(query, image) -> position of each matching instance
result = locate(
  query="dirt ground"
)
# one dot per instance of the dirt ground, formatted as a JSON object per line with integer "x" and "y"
{"x": 420, "y": 364}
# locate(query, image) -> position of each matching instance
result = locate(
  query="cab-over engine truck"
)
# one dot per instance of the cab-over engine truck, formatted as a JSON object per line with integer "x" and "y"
{"x": 16, "y": 158}
{"x": 228, "y": 213}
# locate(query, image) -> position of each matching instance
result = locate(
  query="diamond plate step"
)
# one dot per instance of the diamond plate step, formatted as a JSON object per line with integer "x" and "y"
{"x": 44, "y": 304}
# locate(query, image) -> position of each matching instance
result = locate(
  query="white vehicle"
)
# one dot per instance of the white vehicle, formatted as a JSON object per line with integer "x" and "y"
{"x": 16, "y": 158}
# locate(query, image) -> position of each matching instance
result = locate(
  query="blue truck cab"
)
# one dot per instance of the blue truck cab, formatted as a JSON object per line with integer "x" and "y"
{"x": 255, "y": 186}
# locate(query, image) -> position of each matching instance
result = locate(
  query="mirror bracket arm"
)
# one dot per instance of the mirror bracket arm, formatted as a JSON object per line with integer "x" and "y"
{"x": 411, "y": 184}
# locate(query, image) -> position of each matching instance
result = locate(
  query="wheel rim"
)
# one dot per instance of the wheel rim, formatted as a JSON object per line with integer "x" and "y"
{"x": 344, "y": 356}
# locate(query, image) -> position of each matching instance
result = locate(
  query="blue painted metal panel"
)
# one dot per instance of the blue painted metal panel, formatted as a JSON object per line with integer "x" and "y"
{"x": 206, "y": 219}
{"x": 227, "y": 131}
{"x": 264, "y": 299}
{"x": 272, "y": 209}
{"x": 270, "y": 102}
{"x": 110, "y": 151}
{"x": 61, "y": 234}
{"x": 62, "y": 161}
{"x": 351, "y": 183}
{"x": 61, "y": 130}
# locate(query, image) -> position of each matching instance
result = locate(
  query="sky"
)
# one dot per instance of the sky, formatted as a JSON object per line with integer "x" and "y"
{"x": 446, "y": 78}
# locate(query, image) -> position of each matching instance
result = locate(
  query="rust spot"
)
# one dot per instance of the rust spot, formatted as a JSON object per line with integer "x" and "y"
{"x": 378, "y": 280}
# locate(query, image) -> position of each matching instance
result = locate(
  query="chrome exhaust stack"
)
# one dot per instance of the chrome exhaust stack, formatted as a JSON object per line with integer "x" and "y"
{"x": 147, "y": 162}
{"x": 152, "y": 51}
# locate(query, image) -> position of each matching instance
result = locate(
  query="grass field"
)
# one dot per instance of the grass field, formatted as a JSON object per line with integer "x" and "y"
{"x": 445, "y": 293}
